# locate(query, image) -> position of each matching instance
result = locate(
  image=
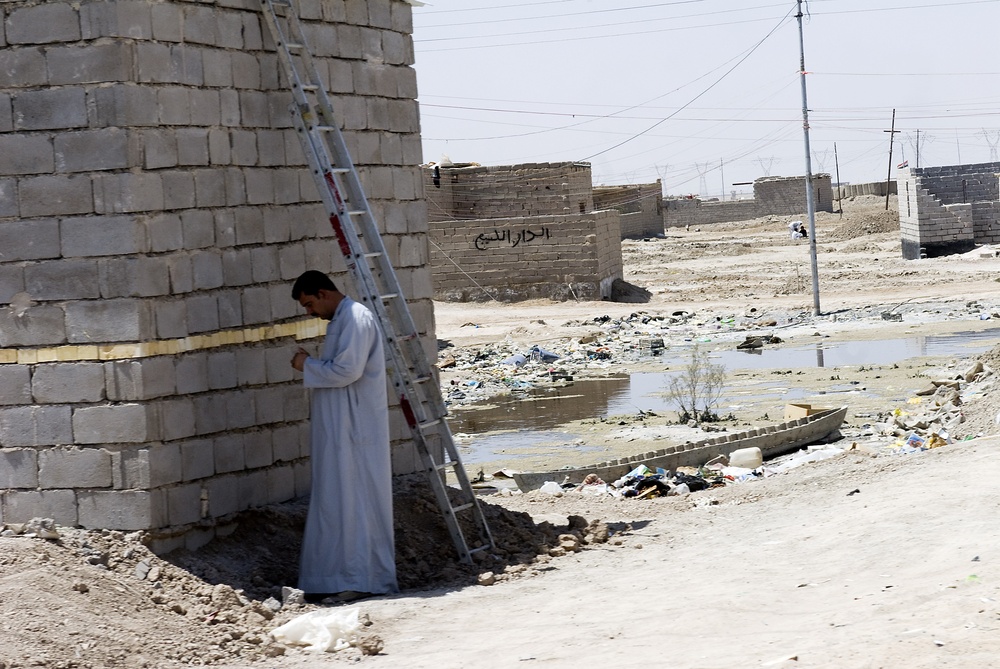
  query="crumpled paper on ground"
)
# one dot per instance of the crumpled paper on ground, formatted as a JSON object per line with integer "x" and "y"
{"x": 323, "y": 630}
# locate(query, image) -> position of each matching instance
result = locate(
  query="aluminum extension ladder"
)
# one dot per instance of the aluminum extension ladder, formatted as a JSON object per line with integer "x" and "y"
{"x": 374, "y": 277}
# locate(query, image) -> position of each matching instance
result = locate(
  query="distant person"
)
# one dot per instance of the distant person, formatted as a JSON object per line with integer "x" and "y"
{"x": 348, "y": 550}
{"x": 797, "y": 230}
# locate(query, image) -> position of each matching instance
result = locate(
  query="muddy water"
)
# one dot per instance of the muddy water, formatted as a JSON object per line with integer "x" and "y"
{"x": 531, "y": 420}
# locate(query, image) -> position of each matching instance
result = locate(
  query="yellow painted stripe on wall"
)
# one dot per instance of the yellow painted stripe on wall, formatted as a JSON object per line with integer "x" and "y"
{"x": 304, "y": 329}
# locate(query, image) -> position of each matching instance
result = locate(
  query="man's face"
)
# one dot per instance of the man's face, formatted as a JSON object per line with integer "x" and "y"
{"x": 322, "y": 305}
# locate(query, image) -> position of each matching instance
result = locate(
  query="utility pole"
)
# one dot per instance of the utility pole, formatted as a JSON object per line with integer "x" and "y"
{"x": 918, "y": 148}
{"x": 810, "y": 206}
{"x": 722, "y": 174}
{"x": 836, "y": 163}
{"x": 892, "y": 132}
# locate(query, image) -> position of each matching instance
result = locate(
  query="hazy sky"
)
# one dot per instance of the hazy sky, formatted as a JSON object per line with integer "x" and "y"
{"x": 706, "y": 93}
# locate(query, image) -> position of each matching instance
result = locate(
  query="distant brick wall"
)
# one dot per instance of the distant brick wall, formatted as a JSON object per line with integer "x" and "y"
{"x": 777, "y": 196}
{"x": 640, "y": 206}
{"x": 155, "y": 206}
{"x": 559, "y": 257}
{"x": 949, "y": 209}
{"x": 502, "y": 191}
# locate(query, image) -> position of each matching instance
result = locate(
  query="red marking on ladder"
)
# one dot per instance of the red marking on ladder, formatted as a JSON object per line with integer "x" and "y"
{"x": 338, "y": 229}
{"x": 404, "y": 404}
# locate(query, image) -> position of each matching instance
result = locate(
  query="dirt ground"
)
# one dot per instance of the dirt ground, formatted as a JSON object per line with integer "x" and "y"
{"x": 867, "y": 559}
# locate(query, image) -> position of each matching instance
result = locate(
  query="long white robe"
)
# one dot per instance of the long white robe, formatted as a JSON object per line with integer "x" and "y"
{"x": 348, "y": 543}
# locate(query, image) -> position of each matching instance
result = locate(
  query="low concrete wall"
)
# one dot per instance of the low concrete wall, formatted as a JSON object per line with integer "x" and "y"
{"x": 640, "y": 206}
{"x": 558, "y": 257}
{"x": 778, "y": 196}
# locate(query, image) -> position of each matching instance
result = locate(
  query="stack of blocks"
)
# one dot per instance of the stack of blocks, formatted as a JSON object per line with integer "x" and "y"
{"x": 155, "y": 207}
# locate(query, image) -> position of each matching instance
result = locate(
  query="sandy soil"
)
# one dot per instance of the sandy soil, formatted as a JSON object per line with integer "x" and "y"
{"x": 862, "y": 560}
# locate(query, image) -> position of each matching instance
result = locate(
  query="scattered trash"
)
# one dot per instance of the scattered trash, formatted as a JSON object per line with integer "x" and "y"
{"x": 321, "y": 631}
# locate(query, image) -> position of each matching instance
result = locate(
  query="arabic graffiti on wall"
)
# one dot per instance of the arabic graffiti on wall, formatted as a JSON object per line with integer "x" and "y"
{"x": 525, "y": 236}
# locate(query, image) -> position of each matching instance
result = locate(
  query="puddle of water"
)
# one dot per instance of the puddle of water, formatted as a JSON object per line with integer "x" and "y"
{"x": 531, "y": 422}
{"x": 838, "y": 354}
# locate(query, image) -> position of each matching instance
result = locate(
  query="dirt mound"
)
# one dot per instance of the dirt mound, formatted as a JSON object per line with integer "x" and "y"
{"x": 119, "y": 605}
{"x": 866, "y": 222}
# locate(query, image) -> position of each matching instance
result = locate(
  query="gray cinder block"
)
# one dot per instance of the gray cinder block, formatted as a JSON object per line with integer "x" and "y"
{"x": 50, "y": 109}
{"x": 102, "y": 321}
{"x": 202, "y": 313}
{"x": 93, "y": 63}
{"x": 15, "y": 384}
{"x": 184, "y": 504}
{"x": 141, "y": 379}
{"x": 43, "y": 24}
{"x": 229, "y": 454}
{"x": 222, "y": 370}
{"x": 74, "y": 468}
{"x": 207, "y": 269}
{"x": 67, "y": 279}
{"x": 197, "y": 459}
{"x": 68, "y": 382}
{"x": 280, "y": 484}
{"x": 134, "y": 277}
{"x": 26, "y": 154}
{"x": 177, "y": 418}
{"x": 55, "y": 195}
{"x": 114, "y": 424}
{"x": 18, "y": 468}
{"x": 20, "y": 506}
{"x": 257, "y": 449}
{"x": 37, "y": 326}
{"x": 35, "y": 426}
{"x": 210, "y": 413}
{"x": 29, "y": 240}
{"x": 102, "y": 236}
{"x": 223, "y": 496}
{"x": 192, "y": 373}
{"x": 122, "y": 509}
{"x": 90, "y": 150}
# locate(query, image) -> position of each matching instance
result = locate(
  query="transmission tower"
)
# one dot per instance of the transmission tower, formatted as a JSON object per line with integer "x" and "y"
{"x": 993, "y": 139}
{"x": 702, "y": 169}
{"x": 821, "y": 157}
{"x": 766, "y": 164}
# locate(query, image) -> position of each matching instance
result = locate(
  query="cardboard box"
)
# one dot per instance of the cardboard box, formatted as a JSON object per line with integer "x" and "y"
{"x": 793, "y": 411}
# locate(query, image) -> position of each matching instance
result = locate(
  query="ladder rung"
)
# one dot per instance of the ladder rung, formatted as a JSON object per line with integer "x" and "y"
{"x": 456, "y": 509}
{"x": 295, "y": 46}
{"x": 375, "y": 254}
{"x": 479, "y": 549}
{"x": 388, "y": 296}
{"x": 357, "y": 212}
{"x": 309, "y": 87}
{"x": 430, "y": 423}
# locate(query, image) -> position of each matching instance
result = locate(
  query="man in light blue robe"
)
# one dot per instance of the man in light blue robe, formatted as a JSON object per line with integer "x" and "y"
{"x": 348, "y": 549}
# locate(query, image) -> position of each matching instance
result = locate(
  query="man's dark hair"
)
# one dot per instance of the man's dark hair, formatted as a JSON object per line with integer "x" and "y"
{"x": 311, "y": 282}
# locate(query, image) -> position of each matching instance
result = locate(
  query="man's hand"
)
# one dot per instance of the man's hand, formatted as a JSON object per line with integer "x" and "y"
{"x": 299, "y": 359}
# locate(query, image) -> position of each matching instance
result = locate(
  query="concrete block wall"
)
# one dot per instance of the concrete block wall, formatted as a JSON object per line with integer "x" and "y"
{"x": 154, "y": 209}
{"x": 472, "y": 192}
{"x": 948, "y": 209}
{"x": 879, "y": 188}
{"x": 559, "y": 257}
{"x": 777, "y": 196}
{"x": 640, "y": 206}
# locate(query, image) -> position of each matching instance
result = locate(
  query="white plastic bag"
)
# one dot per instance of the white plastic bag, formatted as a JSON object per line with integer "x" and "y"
{"x": 552, "y": 488}
{"x": 322, "y": 630}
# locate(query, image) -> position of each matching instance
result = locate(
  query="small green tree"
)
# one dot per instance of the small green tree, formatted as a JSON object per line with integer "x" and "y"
{"x": 697, "y": 388}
